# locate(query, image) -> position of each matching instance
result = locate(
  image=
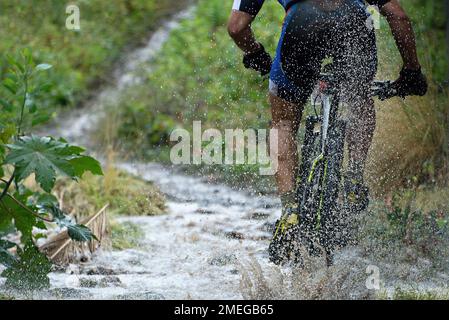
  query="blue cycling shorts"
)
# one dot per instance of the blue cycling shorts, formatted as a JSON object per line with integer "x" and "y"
{"x": 309, "y": 36}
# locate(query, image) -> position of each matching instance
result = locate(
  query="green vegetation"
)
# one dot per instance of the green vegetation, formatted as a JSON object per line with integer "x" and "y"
{"x": 402, "y": 294}
{"x": 401, "y": 222}
{"x": 412, "y": 136}
{"x": 126, "y": 235}
{"x": 198, "y": 77}
{"x": 82, "y": 59}
{"x": 414, "y": 294}
{"x": 23, "y": 155}
{"x": 126, "y": 195}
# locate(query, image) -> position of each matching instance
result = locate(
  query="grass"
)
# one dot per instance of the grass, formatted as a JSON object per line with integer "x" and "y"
{"x": 198, "y": 77}
{"x": 5, "y": 297}
{"x": 403, "y": 294}
{"x": 82, "y": 59}
{"x": 126, "y": 235}
{"x": 126, "y": 195}
{"x": 411, "y": 138}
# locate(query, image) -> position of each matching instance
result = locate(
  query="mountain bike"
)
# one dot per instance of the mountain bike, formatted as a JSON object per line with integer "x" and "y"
{"x": 322, "y": 208}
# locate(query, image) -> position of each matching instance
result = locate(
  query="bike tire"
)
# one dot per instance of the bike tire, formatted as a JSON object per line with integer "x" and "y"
{"x": 332, "y": 226}
{"x": 310, "y": 139}
{"x": 309, "y": 186}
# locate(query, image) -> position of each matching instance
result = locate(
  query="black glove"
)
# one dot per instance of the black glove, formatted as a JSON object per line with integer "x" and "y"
{"x": 258, "y": 60}
{"x": 410, "y": 83}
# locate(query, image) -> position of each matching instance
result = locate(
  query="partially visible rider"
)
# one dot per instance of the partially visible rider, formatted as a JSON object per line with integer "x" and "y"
{"x": 312, "y": 31}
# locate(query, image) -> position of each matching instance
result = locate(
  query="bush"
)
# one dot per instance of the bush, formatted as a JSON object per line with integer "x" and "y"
{"x": 126, "y": 235}
{"x": 82, "y": 59}
{"x": 126, "y": 195}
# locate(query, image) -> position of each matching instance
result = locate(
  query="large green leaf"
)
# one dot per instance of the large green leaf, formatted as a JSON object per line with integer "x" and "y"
{"x": 80, "y": 233}
{"x": 6, "y": 258}
{"x": 6, "y": 224}
{"x": 24, "y": 221}
{"x": 76, "y": 232}
{"x": 81, "y": 163}
{"x": 46, "y": 158}
{"x": 30, "y": 271}
{"x": 10, "y": 85}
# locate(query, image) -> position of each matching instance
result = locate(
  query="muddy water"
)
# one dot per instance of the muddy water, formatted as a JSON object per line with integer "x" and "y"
{"x": 192, "y": 251}
{"x": 212, "y": 242}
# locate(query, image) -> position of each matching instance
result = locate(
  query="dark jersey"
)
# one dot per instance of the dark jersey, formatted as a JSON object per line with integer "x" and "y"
{"x": 253, "y": 6}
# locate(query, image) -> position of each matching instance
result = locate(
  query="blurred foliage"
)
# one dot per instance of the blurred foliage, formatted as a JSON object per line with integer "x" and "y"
{"x": 81, "y": 58}
{"x": 199, "y": 76}
{"x": 411, "y": 139}
{"x": 414, "y": 217}
{"x": 429, "y": 20}
{"x": 126, "y": 195}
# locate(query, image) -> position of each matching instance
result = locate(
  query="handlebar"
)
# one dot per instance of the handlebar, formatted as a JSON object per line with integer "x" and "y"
{"x": 381, "y": 89}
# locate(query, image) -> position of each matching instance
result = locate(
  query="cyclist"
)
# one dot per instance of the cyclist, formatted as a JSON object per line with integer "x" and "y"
{"x": 312, "y": 31}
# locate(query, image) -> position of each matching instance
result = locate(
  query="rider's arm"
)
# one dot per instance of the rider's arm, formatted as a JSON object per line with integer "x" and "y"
{"x": 403, "y": 34}
{"x": 239, "y": 28}
{"x": 239, "y": 25}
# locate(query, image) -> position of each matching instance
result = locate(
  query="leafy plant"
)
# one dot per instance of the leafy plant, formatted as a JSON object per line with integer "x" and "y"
{"x": 24, "y": 155}
{"x": 126, "y": 235}
{"x": 83, "y": 58}
{"x": 425, "y": 230}
{"x": 30, "y": 270}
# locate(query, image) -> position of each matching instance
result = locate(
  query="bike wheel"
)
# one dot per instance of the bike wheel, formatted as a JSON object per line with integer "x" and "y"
{"x": 309, "y": 189}
{"x": 332, "y": 228}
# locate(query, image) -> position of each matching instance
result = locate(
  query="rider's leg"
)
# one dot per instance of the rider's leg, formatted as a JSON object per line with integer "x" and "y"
{"x": 286, "y": 117}
{"x": 356, "y": 63}
{"x": 360, "y": 135}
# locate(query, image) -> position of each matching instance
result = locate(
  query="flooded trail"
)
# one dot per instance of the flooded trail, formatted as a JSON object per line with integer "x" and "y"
{"x": 192, "y": 251}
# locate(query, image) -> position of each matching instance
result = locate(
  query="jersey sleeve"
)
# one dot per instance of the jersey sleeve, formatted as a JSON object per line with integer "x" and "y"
{"x": 379, "y": 3}
{"x": 251, "y": 7}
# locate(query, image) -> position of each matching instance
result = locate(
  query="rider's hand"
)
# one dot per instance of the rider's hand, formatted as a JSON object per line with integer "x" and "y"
{"x": 410, "y": 83}
{"x": 258, "y": 60}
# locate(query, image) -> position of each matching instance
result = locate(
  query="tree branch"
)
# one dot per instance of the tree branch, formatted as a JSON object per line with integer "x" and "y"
{"x": 8, "y": 184}
{"x": 28, "y": 209}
